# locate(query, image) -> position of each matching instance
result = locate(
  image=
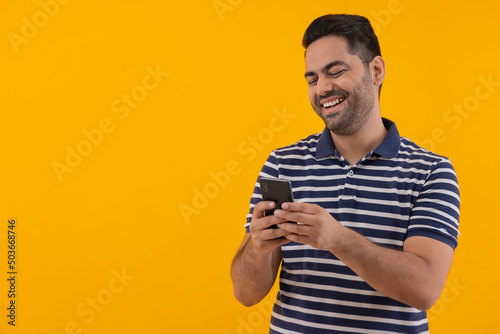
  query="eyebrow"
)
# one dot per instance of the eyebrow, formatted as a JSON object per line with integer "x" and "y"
{"x": 327, "y": 67}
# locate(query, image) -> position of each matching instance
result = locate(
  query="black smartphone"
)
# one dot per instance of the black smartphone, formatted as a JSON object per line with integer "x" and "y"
{"x": 276, "y": 190}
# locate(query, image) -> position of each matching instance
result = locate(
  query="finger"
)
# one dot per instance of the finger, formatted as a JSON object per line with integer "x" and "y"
{"x": 294, "y": 228}
{"x": 306, "y": 208}
{"x": 292, "y": 216}
{"x": 270, "y": 239}
{"x": 261, "y": 207}
{"x": 268, "y": 222}
{"x": 258, "y": 225}
{"x": 274, "y": 233}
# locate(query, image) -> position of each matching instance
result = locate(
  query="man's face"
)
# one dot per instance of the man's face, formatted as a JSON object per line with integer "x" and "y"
{"x": 341, "y": 88}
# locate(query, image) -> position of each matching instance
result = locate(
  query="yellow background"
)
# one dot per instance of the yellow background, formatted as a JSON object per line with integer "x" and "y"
{"x": 230, "y": 73}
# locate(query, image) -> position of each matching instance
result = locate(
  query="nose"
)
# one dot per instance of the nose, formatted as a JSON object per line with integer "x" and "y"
{"x": 324, "y": 85}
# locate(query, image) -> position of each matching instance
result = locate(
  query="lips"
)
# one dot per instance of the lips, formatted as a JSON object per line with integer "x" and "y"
{"x": 330, "y": 104}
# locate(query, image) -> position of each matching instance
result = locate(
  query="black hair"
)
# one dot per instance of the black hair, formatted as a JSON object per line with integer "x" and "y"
{"x": 356, "y": 29}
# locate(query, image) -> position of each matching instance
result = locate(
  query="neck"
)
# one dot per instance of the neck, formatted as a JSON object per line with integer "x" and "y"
{"x": 354, "y": 147}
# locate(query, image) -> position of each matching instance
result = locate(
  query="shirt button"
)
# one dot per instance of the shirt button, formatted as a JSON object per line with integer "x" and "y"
{"x": 351, "y": 172}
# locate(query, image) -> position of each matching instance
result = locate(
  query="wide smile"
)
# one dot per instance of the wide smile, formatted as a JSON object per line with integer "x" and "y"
{"x": 331, "y": 104}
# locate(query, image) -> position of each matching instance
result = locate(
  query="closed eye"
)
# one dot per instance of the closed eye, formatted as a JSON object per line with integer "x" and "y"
{"x": 312, "y": 78}
{"x": 312, "y": 82}
{"x": 337, "y": 74}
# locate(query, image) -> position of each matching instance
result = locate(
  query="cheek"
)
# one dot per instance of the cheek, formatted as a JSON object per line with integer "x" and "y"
{"x": 312, "y": 95}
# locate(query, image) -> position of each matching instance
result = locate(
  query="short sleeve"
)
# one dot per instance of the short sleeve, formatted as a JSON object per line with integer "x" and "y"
{"x": 436, "y": 211}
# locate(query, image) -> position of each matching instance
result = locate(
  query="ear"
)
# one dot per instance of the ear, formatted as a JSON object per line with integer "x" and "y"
{"x": 378, "y": 70}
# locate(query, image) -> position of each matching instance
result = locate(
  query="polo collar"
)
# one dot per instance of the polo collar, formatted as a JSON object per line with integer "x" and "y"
{"x": 389, "y": 147}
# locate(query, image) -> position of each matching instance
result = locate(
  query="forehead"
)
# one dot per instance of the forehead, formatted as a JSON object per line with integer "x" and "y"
{"x": 326, "y": 50}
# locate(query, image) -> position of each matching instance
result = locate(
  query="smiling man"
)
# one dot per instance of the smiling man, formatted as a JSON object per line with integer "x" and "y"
{"x": 378, "y": 215}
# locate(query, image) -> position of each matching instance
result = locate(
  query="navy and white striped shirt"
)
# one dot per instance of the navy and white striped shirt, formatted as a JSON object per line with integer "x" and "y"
{"x": 397, "y": 191}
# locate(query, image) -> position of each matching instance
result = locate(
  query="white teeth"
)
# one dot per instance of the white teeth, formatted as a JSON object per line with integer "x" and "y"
{"x": 332, "y": 103}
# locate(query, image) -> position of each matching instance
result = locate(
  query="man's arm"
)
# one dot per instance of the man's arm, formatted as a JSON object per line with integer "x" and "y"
{"x": 255, "y": 266}
{"x": 414, "y": 276}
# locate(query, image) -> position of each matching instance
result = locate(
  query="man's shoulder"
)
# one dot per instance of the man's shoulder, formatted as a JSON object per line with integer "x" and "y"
{"x": 413, "y": 151}
{"x": 303, "y": 146}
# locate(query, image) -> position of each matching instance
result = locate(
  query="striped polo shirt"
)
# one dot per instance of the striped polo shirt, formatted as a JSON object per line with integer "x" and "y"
{"x": 396, "y": 191}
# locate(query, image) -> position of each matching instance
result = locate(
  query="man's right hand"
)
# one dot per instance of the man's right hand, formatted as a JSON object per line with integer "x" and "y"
{"x": 264, "y": 238}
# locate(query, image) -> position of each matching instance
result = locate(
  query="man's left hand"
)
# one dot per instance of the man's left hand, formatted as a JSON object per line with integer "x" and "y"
{"x": 316, "y": 227}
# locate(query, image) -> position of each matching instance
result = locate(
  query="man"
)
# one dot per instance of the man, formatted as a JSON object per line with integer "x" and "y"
{"x": 377, "y": 215}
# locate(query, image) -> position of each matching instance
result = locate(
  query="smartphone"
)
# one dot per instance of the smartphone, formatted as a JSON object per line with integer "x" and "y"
{"x": 276, "y": 190}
